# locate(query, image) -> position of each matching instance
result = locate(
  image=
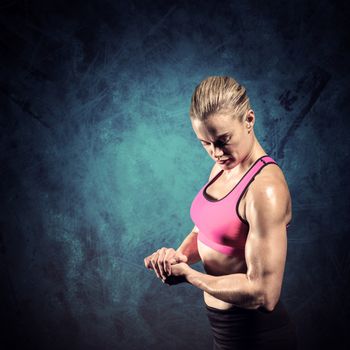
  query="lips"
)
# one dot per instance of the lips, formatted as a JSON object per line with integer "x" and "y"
{"x": 222, "y": 161}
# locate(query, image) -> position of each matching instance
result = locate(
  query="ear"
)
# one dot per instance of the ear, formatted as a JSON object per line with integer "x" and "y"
{"x": 250, "y": 119}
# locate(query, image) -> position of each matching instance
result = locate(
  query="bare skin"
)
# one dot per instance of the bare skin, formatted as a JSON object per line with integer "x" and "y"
{"x": 216, "y": 263}
{"x": 266, "y": 205}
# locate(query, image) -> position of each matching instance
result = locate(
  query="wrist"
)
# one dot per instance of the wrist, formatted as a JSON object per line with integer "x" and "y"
{"x": 190, "y": 273}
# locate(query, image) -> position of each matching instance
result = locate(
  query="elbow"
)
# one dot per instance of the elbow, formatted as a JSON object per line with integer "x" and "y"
{"x": 265, "y": 298}
{"x": 258, "y": 296}
{"x": 269, "y": 301}
{"x": 266, "y": 293}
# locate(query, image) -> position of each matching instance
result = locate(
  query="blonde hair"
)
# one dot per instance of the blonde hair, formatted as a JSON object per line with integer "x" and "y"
{"x": 219, "y": 94}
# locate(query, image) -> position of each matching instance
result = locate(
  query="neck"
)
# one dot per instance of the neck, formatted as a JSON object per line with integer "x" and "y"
{"x": 255, "y": 152}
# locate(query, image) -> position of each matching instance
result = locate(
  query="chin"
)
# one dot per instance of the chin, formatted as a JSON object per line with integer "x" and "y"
{"x": 227, "y": 164}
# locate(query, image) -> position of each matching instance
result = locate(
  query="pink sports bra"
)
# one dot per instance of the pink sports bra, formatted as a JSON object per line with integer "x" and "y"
{"x": 219, "y": 223}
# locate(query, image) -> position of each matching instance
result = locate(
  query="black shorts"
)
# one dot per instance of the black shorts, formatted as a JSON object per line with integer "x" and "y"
{"x": 244, "y": 329}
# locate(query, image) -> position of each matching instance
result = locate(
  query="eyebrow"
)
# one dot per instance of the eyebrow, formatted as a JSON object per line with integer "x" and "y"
{"x": 225, "y": 134}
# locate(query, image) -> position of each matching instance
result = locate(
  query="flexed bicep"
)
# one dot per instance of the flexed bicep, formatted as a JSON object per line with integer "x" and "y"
{"x": 266, "y": 245}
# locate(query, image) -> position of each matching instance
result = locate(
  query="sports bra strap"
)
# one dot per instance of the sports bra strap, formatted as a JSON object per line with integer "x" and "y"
{"x": 253, "y": 171}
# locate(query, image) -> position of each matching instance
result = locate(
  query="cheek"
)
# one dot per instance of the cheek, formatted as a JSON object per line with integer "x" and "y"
{"x": 236, "y": 143}
{"x": 233, "y": 145}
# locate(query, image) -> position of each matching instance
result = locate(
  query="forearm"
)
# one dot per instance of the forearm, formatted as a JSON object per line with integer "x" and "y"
{"x": 235, "y": 288}
{"x": 189, "y": 248}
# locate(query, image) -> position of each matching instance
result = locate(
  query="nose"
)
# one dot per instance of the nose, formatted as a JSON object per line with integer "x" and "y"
{"x": 217, "y": 152}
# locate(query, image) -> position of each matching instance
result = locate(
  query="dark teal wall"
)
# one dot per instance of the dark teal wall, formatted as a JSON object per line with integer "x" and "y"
{"x": 99, "y": 163}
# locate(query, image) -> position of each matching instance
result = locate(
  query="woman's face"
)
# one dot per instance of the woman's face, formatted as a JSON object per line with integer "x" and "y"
{"x": 222, "y": 136}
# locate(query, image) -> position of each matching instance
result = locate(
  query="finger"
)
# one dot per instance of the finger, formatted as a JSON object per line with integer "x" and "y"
{"x": 181, "y": 257}
{"x": 154, "y": 260}
{"x": 160, "y": 262}
{"x": 172, "y": 261}
{"x": 167, "y": 259}
{"x": 147, "y": 262}
{"x": 156, "y": 264}
{"x": 169, "y": 269}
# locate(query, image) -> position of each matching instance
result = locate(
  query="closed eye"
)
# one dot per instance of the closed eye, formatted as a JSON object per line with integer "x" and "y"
{"x": 219, "y": 142}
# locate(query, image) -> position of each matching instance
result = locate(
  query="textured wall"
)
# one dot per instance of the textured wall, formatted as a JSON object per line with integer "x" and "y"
{"x": 99, "y": 163}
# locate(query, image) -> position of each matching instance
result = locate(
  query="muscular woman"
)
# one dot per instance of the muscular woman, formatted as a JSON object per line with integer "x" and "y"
{"x": 241, "y": 217}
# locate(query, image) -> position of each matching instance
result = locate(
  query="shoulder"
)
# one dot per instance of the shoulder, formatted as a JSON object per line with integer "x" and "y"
{"x": 270, "y": 180}
{"x": 269, "y": 194}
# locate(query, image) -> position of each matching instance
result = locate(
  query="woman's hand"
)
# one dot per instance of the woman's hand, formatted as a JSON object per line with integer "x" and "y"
{"x": 178, "y": 274}
{"x": 179, "y": 269}
{"x": 163, "y": 260}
